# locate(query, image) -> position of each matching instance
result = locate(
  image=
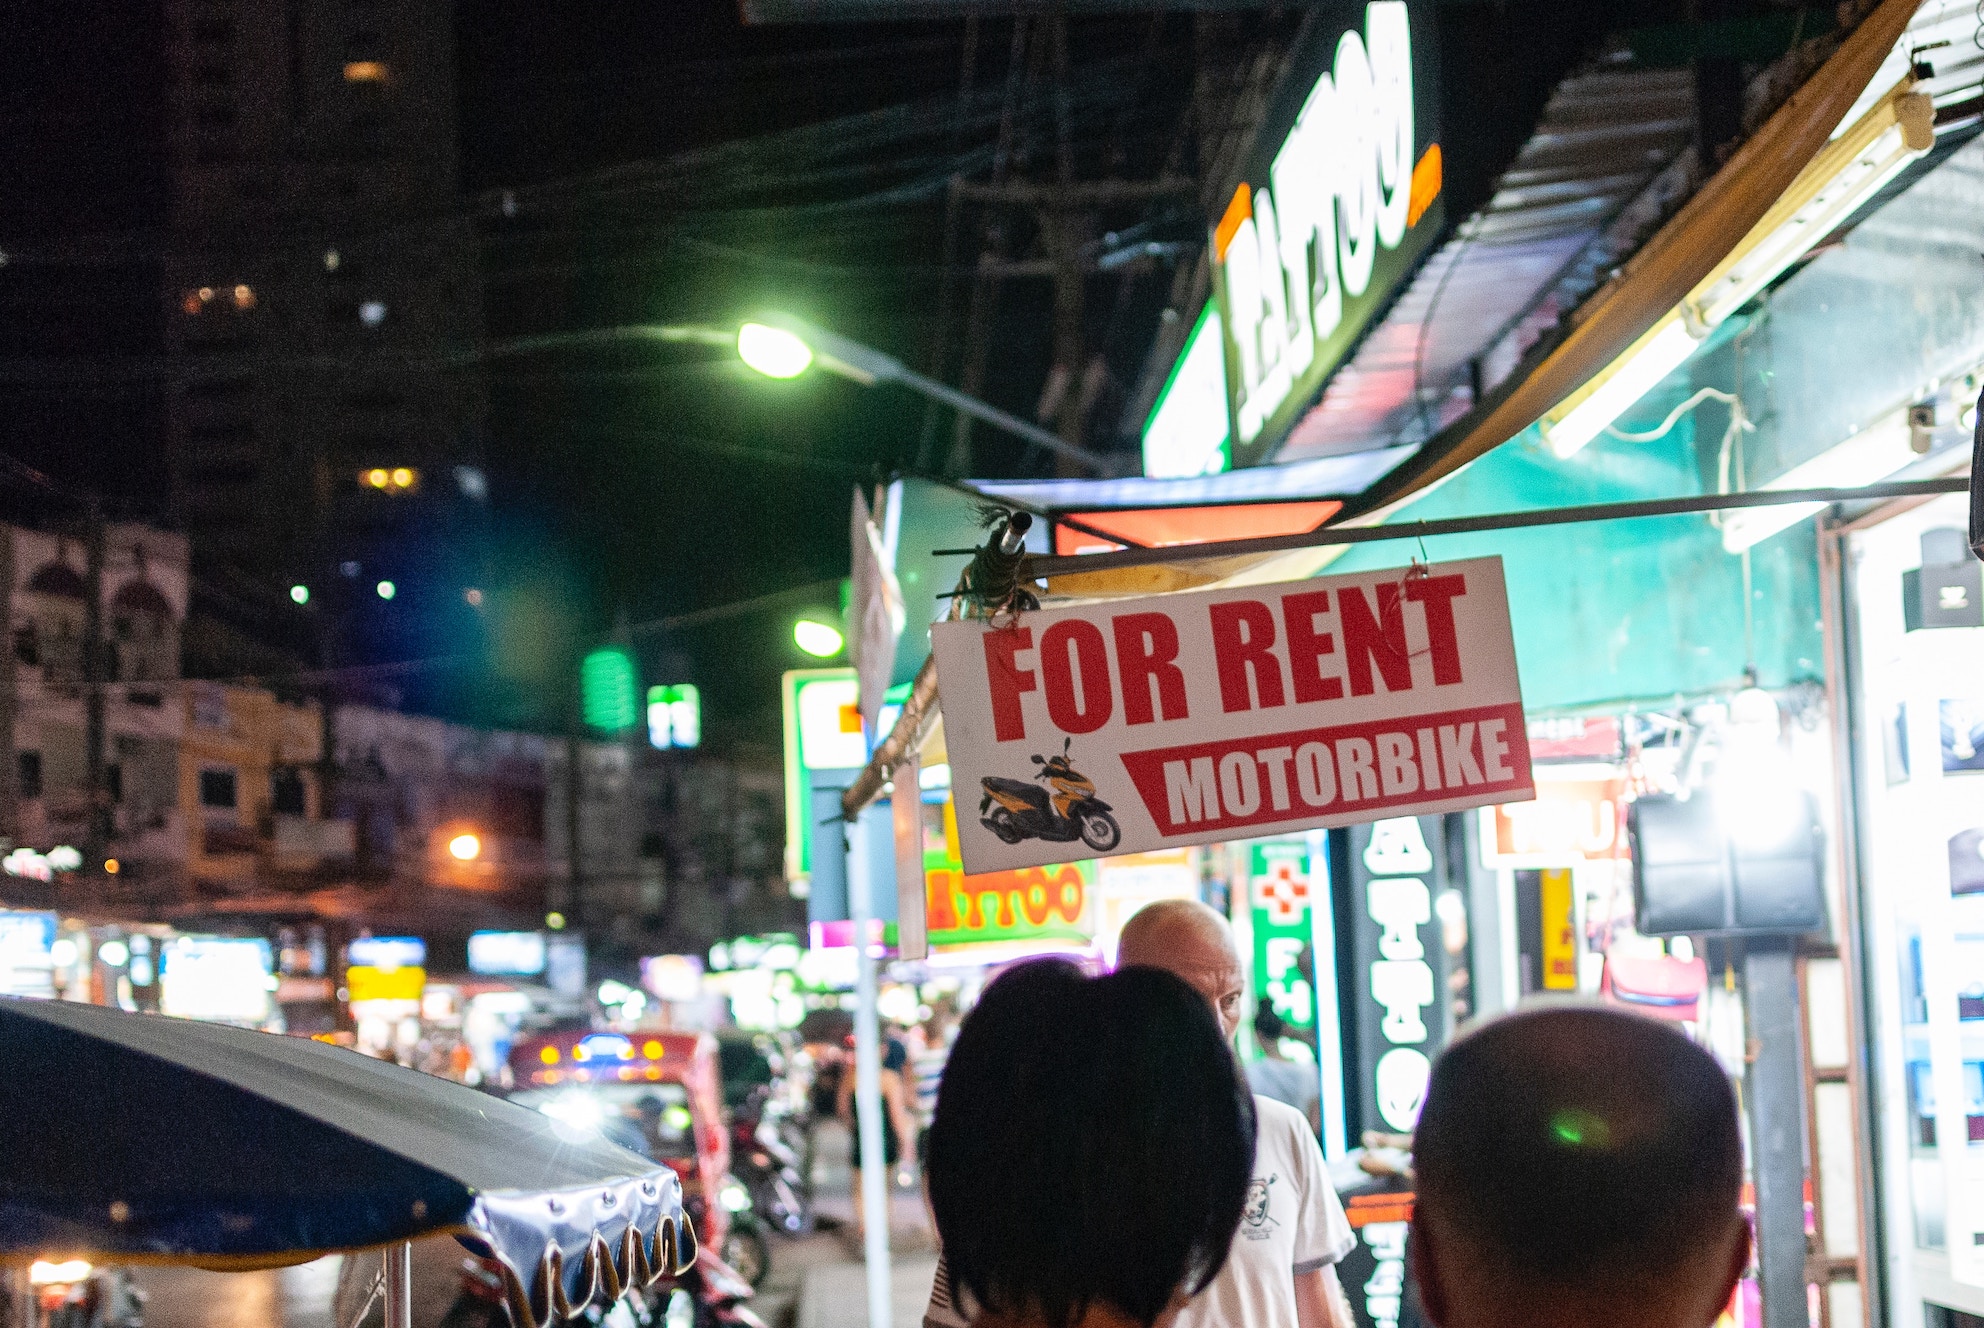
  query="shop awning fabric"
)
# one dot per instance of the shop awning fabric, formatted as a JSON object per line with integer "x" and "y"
{"x": 1684, "y": 252}
{"x": 134, "y": 1138}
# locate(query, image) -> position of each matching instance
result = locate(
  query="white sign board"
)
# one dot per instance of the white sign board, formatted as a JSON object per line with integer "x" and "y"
{"x": 1138, "y": 724}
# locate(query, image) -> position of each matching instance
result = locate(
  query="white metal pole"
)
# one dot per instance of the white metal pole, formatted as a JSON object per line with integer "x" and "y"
{"x": 868, "y": 1077}
{"x": 399, "y": 1285}
{"x": 1328, "y": 994}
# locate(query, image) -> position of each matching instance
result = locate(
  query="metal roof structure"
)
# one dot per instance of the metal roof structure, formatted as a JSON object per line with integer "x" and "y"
{"x": 1607, "y": 162}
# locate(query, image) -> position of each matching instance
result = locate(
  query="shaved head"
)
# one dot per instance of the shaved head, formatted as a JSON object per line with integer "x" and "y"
{"x": 1581, "y": 1157}
{"x": 1192, "y": 941}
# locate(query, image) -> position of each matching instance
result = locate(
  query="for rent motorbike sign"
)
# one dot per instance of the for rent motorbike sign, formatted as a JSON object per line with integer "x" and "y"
{"x": 1183, "y": 719}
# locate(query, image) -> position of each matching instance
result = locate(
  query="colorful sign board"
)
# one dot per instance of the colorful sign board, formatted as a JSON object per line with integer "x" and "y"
{"x": 225, "y": 978}
{"x": 363, "y": 982}
{"x": 1338, "y": 202}
{"x": 1051, "y": 908}
{"x": 1578, "y": 815}
{"x": 506, "y": 953}
{"x": 675, "y": 716}
{"x": 1188, "y": 430}
{"x": 822, "y": 732}
{"x": 1279, "y": 895}
{"x": 1398, "y": 978}
{"x": 387, "y": 952}
{"x": 1560, "y": 932}
{"x": 27, "y": 965}
{"x": 1138, "y": 724}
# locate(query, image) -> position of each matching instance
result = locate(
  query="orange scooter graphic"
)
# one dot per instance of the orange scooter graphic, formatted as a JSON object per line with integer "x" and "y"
{"x": 1016, "y": 809}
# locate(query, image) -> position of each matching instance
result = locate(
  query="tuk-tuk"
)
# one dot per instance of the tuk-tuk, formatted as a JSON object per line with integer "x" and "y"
{"x": 657, "y": 1093}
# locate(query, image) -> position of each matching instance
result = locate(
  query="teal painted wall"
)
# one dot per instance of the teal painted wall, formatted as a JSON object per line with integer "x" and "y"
{"x": 1622, "y": 611}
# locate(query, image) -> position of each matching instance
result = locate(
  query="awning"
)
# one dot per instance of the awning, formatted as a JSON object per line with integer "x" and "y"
{"x": 134, "y": 1138}
{"x": 1318, "y": 477}
{"x": 1681, "y": 256}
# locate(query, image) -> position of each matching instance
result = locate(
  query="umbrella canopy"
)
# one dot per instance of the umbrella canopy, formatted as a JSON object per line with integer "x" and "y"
{"x": 135, "y": 1138}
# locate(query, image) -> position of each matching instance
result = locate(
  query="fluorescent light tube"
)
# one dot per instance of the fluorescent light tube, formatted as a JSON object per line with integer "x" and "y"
{"x": 1873, "y": 454}
{"x": 1612, "y": 391}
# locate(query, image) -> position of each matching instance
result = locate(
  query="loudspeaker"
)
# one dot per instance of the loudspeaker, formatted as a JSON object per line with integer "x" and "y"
{"x": 1708, "y": 866}
{"x": 1947, "y": 590}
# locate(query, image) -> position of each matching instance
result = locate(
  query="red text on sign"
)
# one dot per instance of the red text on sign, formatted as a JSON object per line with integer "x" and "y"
{"x": 1264, "y": 653}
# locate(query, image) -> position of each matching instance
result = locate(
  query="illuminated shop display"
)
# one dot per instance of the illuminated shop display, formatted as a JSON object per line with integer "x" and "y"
{"x": 1919, "y": 730}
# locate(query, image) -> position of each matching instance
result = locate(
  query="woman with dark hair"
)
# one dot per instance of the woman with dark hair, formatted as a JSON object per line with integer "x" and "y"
{"x": 1091, "y": 1151}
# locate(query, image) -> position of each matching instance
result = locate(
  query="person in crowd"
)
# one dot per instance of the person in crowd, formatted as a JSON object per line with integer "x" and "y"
{"x": 1577, "y": 1167}
{"x": 1275, "y": 1075}
{"x": 1281, "y": 1273}
{"x": 898, "y": 1124}
{"x": 1283, "y": 1270}
{"x": 1090, "y": 1156}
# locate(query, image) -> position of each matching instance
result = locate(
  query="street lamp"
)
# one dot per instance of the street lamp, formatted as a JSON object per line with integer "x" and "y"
{"x": 821, "y": 640}
{"x": 773, "y": 351}
{"x": 780, "y": 346}
{"x": 465, "y": 848}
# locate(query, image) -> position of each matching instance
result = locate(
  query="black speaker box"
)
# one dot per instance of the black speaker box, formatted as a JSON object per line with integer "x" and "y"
{"x": 1700, "y": 869}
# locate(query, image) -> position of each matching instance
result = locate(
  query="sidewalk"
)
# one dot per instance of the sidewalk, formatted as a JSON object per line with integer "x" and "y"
{"x": 833, "y": 1293}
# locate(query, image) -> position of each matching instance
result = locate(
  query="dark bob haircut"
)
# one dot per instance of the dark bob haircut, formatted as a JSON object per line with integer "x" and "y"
{"x": 1093, "y": 1143}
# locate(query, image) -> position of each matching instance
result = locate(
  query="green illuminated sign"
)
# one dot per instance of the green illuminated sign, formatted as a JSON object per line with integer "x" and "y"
{"x": 675, "y": 716}
{"x": 607, "y": 690}
{"x": 1188, "y": 430}
{"x": 1278, "y": 889}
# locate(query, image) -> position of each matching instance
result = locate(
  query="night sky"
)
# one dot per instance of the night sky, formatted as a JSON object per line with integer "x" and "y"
{"x": 664, "y": 164}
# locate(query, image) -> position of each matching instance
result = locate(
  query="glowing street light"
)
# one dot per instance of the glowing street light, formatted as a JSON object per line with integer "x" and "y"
{"x": 386, "y": 589}
{"x": 773, "y": 351}
{"x": 299, "y": 594}
{"x": 465, "y": 848}
{"x": 821, "y": 640}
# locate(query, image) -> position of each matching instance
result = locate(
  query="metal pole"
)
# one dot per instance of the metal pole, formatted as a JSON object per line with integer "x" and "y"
{"x": 1777, "y": 1130}
{"x": 992, "y": 415}
{"x": 399, "y": 1285}
{"x": 868, "y": 1078}
{"x": 97, "y": 838}
{"x": 1328, "y": 998}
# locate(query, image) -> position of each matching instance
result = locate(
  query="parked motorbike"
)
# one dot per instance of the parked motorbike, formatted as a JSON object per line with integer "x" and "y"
{"x": 745, "y": 1248}
{"x": 710, "y": 1295}
{"x": 769, "y": 1168}
{"x": 1016, "y": 809}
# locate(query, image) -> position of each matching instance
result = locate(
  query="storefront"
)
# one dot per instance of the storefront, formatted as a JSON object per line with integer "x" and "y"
{"x": 1915, "y": 637}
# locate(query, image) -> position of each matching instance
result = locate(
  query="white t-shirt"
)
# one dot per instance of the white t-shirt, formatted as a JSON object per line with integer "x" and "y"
{"x": 1293, "y": 1223}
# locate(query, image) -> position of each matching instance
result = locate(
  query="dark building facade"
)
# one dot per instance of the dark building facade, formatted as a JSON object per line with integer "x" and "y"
{"x": 321, "y": 301}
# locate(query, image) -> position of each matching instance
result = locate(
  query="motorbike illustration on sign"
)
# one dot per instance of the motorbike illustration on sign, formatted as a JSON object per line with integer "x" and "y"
{"x": 1232, "y": 714}
{"x": 1015, "y": 809}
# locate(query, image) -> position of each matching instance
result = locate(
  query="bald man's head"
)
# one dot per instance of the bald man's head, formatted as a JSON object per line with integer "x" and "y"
{"x": 1192, "y": 941}
{"x": 1582, "y": 1158}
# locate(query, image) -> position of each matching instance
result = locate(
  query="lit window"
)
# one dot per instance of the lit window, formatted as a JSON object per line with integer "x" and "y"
{"x": 331, "y": 260}
{"x": 365, "y": 71}
{"x": 372, "y": 313}
{"x": 244, "y": 297}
